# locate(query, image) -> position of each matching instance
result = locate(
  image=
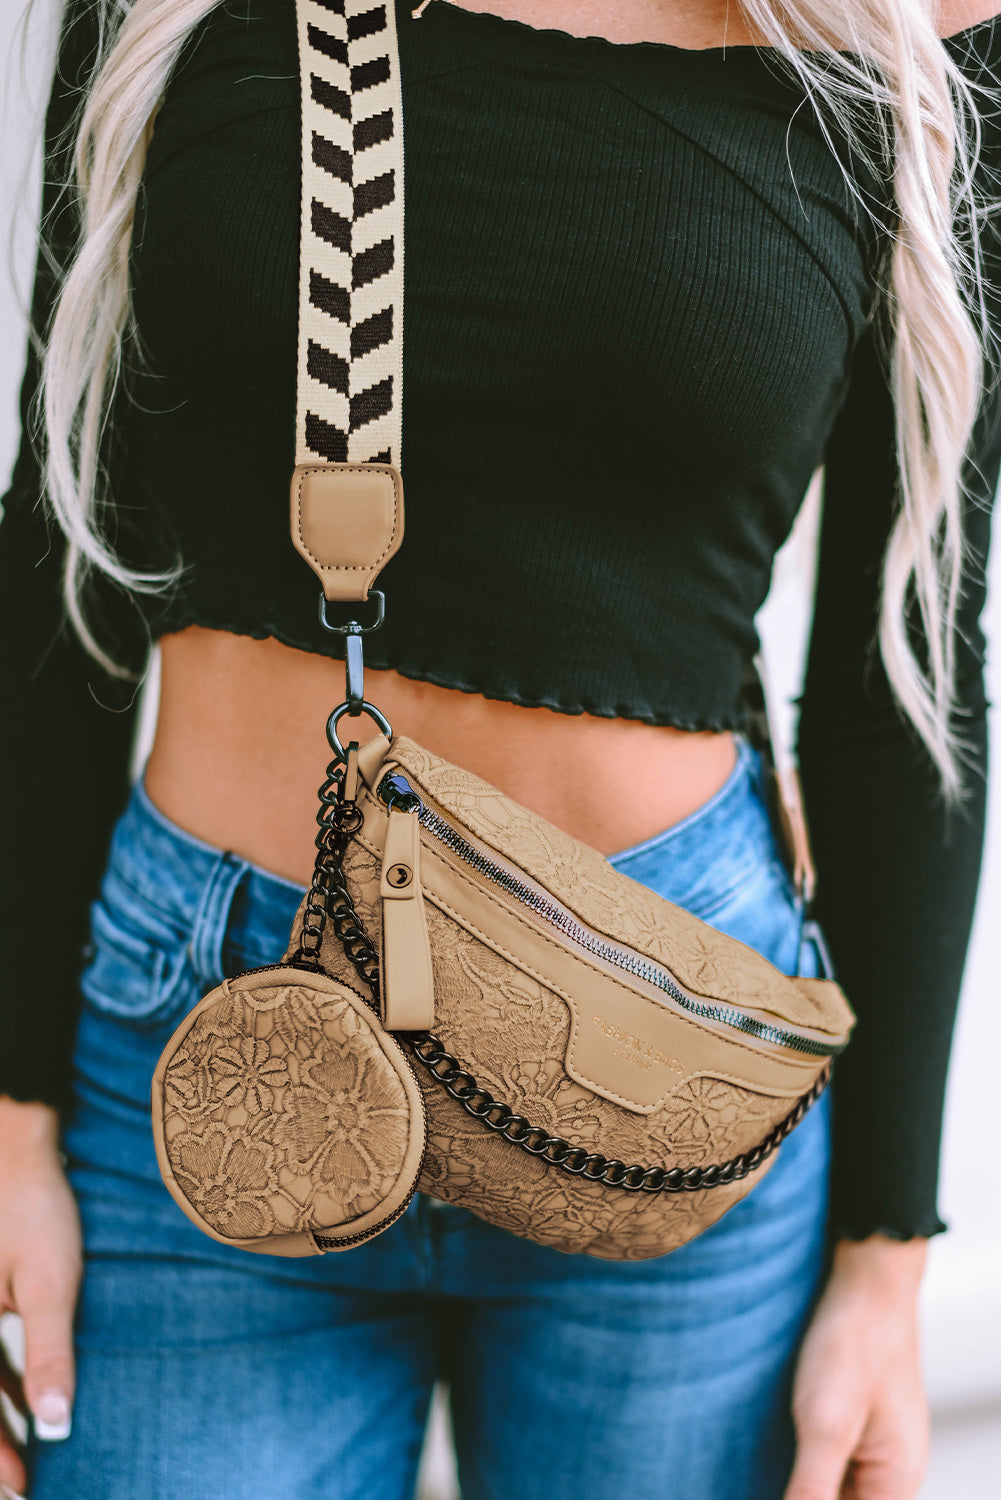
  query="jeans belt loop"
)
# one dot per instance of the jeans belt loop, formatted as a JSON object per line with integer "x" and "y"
{"x": 209, "y": 928}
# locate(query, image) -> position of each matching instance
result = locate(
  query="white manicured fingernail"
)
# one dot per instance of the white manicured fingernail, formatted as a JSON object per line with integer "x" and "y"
{"x": 52, "y": 1417}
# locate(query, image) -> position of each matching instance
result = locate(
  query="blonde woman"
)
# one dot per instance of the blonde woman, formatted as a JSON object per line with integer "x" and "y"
{"x": 663, "y": 261}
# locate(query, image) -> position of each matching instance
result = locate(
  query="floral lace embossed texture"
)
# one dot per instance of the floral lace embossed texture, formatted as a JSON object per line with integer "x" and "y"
{"x": 511, "y": 1031}
{"x": 284, "y": 1112}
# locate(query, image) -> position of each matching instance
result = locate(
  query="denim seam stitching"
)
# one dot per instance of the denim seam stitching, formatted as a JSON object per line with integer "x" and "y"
{"x": 208, "y": 930}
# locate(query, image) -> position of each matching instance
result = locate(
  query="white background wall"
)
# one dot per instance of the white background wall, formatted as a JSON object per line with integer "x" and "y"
{"x": 962, "y": 1294}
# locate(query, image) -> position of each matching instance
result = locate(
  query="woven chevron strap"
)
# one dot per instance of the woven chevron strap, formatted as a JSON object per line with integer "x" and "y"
{"x": 347, "y": 495}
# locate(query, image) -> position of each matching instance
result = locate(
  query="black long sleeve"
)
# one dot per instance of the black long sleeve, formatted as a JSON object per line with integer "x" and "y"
{"x": 66, "y": 727}
{"x": 898, "y": 872}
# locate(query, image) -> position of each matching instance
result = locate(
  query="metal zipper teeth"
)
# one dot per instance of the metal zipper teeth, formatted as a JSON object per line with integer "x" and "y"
{"x": 357, "y": 1239}
{"x": 332, "y": 1242}
{"x": 558, "y": 917}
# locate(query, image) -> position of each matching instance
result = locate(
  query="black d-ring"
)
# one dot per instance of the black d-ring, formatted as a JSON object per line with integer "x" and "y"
{"x": 376, "y": 596}
{"x": 338, "y": 714}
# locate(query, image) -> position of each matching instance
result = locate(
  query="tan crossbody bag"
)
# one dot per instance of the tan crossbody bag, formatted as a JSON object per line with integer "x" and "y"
{"x": 472, "y": 1003}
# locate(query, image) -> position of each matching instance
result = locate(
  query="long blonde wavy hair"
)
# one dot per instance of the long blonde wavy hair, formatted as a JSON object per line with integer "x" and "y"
{"x": 931, "y": 292}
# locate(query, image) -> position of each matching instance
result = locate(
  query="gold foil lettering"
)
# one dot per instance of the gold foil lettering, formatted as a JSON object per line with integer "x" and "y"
{"x": 637, "y": 1045}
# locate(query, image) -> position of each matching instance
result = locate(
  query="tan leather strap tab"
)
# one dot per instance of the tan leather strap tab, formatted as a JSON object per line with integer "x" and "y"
{"x": 795, "y": 830}
{"x": 347, "y": 521}
{"x": 759, "y": 694}
{"x": 407, "y": 976}
{"x": 371, "y": 758}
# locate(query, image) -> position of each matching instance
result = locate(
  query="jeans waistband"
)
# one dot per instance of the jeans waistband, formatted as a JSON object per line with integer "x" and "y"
{"x": 211, "y": 893}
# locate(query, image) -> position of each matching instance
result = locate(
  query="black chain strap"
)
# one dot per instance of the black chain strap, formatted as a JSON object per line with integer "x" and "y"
{"x": 338, "y": 820}
{"x": 576, "y": 1160}
{"x": 329, "y": 886}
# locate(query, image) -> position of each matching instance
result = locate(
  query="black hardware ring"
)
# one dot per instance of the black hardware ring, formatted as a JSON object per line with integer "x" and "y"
{"x": 338, "y": 714}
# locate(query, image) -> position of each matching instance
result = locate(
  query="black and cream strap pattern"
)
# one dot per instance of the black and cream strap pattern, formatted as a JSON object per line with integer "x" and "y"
{"x": 350, "y": 375}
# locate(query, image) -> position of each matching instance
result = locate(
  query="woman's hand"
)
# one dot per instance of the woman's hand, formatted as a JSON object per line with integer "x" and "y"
{"x": 40, "y": 1260}
{"x": 862, "y": 1426}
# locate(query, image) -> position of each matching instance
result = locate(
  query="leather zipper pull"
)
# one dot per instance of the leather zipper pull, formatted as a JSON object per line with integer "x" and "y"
{"x": 407, "y": 980}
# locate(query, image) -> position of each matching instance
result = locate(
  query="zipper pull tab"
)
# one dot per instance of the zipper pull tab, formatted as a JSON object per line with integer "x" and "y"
{"x": 407, "y": 981}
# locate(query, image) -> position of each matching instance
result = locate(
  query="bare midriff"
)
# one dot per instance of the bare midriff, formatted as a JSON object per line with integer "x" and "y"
{"x": 240, "y": 751}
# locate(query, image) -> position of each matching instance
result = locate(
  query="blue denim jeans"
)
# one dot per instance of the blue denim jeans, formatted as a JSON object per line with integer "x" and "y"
{"x": 206, "y": 1373}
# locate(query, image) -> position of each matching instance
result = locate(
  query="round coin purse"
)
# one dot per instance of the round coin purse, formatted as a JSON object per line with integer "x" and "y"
{"x": 292, "y": 1123}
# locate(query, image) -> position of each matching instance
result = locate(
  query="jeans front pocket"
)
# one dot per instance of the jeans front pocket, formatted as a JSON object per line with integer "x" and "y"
{"x": 137, "y": 966}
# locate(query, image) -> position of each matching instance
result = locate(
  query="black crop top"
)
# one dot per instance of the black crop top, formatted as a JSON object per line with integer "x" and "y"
{"x": 637, "y": 305}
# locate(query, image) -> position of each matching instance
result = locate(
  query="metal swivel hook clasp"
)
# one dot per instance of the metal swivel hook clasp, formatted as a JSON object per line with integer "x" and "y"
{"x": 355, "y": 703}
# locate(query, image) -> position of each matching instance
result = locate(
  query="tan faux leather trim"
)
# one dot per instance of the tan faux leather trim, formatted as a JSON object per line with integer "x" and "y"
{"x": 407, "y": 977}
{"x": 624, "y": 1045}
{"x": 371, "y": 758}
{"x": 405, "y": 967}
{"x": 347, "y": 522}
